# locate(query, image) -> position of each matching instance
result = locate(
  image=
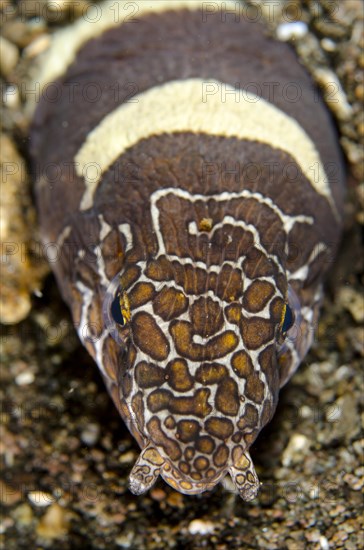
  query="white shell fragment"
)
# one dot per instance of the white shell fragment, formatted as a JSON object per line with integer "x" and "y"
{"x": 201, "y": 527}
{"x": 40, "y": 498}
{"x": 289, "y": 31}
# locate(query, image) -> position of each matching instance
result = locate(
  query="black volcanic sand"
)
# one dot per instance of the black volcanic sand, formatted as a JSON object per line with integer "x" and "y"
{"x": 65, "y": 453}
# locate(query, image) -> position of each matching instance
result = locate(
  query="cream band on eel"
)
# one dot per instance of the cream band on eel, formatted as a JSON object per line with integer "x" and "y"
{"x": 199, "y": 106}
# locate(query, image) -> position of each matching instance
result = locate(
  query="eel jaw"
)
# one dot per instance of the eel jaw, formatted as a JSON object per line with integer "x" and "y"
{"x": 151, "y": 464}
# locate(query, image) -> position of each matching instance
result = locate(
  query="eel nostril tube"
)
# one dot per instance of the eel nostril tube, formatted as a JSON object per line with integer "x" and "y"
{"x": 145, "y": 471}
{"x": 244, "y": 476}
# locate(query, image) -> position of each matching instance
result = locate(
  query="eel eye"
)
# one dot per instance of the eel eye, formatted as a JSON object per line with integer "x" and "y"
{"x": 290, "y": 325}
{"x": 119, "y": 308}
{"x": 287, "y": 319}
{"x": 116, "y": 310}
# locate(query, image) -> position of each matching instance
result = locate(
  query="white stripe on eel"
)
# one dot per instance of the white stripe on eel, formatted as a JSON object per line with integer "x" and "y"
{"x": 199, "y": 106}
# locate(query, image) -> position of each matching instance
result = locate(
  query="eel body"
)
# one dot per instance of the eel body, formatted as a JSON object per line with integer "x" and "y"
{"x": 190, "y": 179}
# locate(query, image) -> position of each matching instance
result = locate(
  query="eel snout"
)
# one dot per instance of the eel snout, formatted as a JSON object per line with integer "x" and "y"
{"x": 151, "y": 464}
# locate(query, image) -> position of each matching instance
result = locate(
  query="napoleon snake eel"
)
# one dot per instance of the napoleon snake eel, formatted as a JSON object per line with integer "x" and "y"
{"x": 191, "y": 180}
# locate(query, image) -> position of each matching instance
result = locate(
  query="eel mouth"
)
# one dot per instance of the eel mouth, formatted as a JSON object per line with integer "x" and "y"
{"x": 187, "y": 485}
{"x": 151, "y": 464}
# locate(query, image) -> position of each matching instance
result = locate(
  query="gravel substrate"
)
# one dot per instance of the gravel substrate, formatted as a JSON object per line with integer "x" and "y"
{"x": 65, "y": 454}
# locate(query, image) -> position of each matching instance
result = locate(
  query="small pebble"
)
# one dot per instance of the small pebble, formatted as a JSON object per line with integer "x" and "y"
{"x": 201, "y": 527}
{"x": 296, "y": 449}
{"x": 23, "y": 514}
{"x": 348, "y": 424}
{"x": 38, "y": 46}
{"x": 25, "y": 378}
{"x": 356, "y": 483}
{"x": 90, "y": 434}
{"x": 158, "y": 494}
{"x": 328, "y": 45}
{"x": 127, "y": 458}
{"x": 22, "y": 33}
{"x": 358, "y": 447}
{"x": 9, "y": 56}
{"x": 11, "y": 97}
{"x": 359, "y": 92}
{"x": 343, "y": 373}
{"x": 175, "y": 500}
{"x": 333, "y": 413}
{"x": 353, "y": 302}
{"x": 312, "y": 536}
{"x": 125, "y": 540}
{"x": 337, "y": 511}
{"x": 5, "y": 524}
{"x": 40, "y": 498}
{"x": 305, "y": 411}
{"x": 334, "y": 94}
{"x": 324, "y": 543}
{"x": 54, "y": 523}
{"x": 290, "y": 31}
